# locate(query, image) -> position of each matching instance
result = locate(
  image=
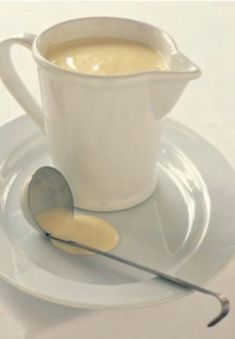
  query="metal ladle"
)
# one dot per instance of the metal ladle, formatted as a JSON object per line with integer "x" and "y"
{"x": 47, "y": 189}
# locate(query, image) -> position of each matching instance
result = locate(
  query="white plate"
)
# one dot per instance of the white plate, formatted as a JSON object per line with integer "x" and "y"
{"x": 186, "y": 228}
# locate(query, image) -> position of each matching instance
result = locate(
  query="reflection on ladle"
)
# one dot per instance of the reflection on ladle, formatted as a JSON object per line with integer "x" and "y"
{"x": 48, "y": 189}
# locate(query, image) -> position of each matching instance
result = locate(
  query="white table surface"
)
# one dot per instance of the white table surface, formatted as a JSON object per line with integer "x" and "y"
{"x": 205, "y": 33}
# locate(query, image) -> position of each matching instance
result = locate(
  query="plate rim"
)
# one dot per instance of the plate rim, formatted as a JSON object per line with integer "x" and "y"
{"x": 16, "y": 283}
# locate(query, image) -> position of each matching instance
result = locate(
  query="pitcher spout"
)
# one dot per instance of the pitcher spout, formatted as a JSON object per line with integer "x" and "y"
{"x": 165, "y": 91}
{"x": 167, "y": 87}
{"x": 183, "y": 68}
{"x": 178, "y": 64}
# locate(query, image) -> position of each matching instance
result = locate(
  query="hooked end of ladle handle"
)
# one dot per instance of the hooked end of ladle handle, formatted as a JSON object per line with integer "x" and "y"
{"x": 225, "y": 308}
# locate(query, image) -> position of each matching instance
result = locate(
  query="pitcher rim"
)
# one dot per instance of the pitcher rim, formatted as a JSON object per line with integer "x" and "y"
{"x": 45, "y": 63}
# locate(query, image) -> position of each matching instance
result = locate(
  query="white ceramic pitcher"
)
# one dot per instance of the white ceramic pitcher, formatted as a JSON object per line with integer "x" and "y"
{"x": 103, "y": 132}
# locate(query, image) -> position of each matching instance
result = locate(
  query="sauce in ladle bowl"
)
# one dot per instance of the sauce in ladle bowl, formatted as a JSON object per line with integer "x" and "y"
{"x": 47, "y": 204}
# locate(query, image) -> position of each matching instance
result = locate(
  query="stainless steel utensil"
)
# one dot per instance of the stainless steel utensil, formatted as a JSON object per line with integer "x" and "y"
{"x": 48, "y": 189}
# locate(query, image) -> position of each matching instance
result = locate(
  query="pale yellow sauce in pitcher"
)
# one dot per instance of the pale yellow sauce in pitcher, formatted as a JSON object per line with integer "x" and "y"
{"x": 106, "y": 56}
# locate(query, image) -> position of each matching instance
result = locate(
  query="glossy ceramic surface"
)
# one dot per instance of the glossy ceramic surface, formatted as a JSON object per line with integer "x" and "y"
{"x": 186, "y": 228}
{"x": 103, "y": 132}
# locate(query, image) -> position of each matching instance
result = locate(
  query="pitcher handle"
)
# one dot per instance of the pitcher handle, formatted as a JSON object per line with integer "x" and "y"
{"x": 13, "y": 82}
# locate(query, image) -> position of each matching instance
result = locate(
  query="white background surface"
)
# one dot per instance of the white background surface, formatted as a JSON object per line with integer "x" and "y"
{"x": 205, "y": 33}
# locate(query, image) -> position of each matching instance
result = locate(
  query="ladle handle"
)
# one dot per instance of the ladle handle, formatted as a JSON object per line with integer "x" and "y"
{"x": 224, "y": 302}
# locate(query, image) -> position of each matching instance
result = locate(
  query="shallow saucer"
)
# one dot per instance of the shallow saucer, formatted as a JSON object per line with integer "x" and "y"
{"x": 185, "y": 228}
